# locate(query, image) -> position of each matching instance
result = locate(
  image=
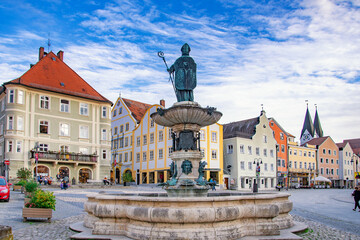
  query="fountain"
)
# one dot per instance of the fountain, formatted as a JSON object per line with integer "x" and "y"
{"x": 187, "y": 210}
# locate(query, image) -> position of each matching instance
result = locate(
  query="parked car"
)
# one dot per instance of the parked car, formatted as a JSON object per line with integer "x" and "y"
{"x": 4, "y": 189}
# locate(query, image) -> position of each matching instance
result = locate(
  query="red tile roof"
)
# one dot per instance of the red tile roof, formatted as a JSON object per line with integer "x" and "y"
{"x": 317, "y": 141}
{"x": 137, "y": 109}
{"x": 52, "y": 74}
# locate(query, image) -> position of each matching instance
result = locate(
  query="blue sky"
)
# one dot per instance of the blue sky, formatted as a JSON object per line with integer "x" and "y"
{"x": 248, "y": 53}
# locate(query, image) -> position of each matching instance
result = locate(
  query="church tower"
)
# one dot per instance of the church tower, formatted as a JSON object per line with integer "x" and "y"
{"x": 318, "y": 130}
{"x": 307, "y": 132}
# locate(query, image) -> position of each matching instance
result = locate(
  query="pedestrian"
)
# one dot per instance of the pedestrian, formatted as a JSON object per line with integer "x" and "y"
{"x": 356, "y": 195}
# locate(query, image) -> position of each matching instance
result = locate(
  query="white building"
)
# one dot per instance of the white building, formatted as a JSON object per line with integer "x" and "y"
{"x": 246, "y": 142}
{"x": 142, "y": 147}
{"x": 346, "y": 167}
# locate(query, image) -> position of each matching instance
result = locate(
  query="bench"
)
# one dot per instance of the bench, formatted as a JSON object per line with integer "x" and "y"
{"x": 96, "y": 182}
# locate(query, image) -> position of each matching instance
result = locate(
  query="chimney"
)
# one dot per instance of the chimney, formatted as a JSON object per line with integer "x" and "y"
{"x": 162, "y": 102}
{"x": 60, "y": 55}
{"x": 41, "y": 53}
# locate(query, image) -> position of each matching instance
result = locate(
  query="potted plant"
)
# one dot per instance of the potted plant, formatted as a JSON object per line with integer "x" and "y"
{"x": 40, "y": 206}
{"x": 127, "y": 178}
{"x": 20, "y": 184}
{"x": 30, "y": 188}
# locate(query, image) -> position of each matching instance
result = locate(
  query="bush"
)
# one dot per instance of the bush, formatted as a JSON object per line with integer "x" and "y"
{"x": 24, "y": 173}
{"x": 21, "y": 183}
{"x": 127, "y": 177}
{"x": 42, "y": 199}
{"x": 31, "y": 186}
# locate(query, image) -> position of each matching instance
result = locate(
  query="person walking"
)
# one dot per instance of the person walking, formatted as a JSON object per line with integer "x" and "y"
{"x": 356, "y": 195}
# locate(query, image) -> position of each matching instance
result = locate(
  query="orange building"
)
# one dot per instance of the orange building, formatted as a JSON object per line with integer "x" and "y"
{"x": 327, "y": 159}
{"x": 281, "y": 137}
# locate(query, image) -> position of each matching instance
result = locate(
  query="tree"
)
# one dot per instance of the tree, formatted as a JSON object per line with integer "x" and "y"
{"x": 24, "y": 173}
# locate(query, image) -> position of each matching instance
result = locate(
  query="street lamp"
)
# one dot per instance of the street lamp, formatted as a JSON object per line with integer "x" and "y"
{"x": 36, "y": 147}
{"x": 310, "y": 171}
{"x": 257, "y": 161}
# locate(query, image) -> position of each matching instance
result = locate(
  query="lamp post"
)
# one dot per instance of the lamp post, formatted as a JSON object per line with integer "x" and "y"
{"x": 310, "y": 171}
{"x": 36, "y": 147}
{"x": 257, "y": 161}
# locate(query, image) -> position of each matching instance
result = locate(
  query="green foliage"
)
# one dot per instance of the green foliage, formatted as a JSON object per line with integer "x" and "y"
{"x": 21, "y": 183}
{"x": 24, "y": 173}
{"x": 31, "y": 186}
{"x": 127, "y": 177}
{"x": 42, "y": 199}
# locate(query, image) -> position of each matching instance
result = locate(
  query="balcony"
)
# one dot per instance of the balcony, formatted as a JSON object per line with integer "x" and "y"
{"x": 64, "y": 157}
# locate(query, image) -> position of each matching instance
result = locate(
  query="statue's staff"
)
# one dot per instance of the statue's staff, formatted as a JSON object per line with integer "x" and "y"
{"x": 161, "y": 55}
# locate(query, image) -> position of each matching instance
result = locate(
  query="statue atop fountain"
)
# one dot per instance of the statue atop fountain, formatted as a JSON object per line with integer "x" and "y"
{"x": 185, "y": 118}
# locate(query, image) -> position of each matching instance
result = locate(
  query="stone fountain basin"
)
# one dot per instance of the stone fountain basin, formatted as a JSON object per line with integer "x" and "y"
{"x": 155, "y": 216}
{"x": 186, "y": 113}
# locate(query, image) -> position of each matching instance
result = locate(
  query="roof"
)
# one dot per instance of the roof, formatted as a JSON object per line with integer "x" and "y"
{"x": 243, "y": 129}
{"x": 317, "y": 125}
{"x": 137, "y": 109}
{"x": 308, "y": 125}
{"x": 285, "y": 132}
{"x": 52, "y": 74}
{"x": 317, "y": 141}
{"x": 354, "y": 144}
{"x": 341, "y": 145}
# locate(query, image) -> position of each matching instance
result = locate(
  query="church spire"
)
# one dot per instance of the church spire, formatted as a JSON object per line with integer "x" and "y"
{"x": 307, "y": 132}
{"x": 318, "y": 130}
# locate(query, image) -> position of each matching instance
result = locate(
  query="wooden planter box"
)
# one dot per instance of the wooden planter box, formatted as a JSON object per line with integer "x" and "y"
{"x": 37, "y": 213}
{"x": 17, "y": 187}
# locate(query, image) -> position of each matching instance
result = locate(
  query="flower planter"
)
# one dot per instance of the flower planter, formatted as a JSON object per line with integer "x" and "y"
{"x": 17, "y": 187}
{"x": 37, "y": 213}
{"x": 26, "y": 200}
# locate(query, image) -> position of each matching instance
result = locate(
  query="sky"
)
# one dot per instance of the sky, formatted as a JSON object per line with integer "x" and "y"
{"x": 249, "y": 53}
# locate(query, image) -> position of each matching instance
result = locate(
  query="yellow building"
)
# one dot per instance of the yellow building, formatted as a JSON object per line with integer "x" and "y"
{"x": 302, "y": 164}
{"x": 142, "y": 147}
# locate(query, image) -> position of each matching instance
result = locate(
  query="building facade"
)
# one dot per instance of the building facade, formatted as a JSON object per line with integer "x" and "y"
{"x": 143, "y": 148}
{"x": 51, "y": 114}
{"x": 346, "y": 166}
{"x": 328, "y": 159}
{"x": 248, "y": 144}
{"x": 302, "y": 164}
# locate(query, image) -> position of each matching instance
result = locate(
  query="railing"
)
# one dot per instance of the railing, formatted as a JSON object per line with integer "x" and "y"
{"x": 64, "y": 156}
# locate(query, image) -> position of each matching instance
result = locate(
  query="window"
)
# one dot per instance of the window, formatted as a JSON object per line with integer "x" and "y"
{"x": 321, "y": 160}
{"x": 121, "y": 142}
{"x": 230, "y": 149}
{"x": 250, "y": 165}
{"x": 115, "y": 130}
{"x": 103, "y": 134}
{"x": 121, "y": 128}
{"x": 332, "y": 171}
{"x": 64, "y": 105}
{"x": 120, "y": 110}
{"x": 334, "y": 152}
{"x": 213, "y": 137}
{"x": 300, "y": 165}
{"x": 126, "y": 157}
{"x": 272, "y": 167}
{"x": 144, "y": 157}
{"x": 309, "y": 154}
{"x": 295, "y": 152}
{"x": 103, "y": 112}
{"x": 43, "y": 147}
{"x": 137, "y": 141}
{"x": 20, "y": 98}
{"x": 118, "y": 103}
{"x": 10, "y": 146}
{"x": 337, "y": 171}
{"x": 295, "y": 164}
{"x": 144, "y": 139}
{"x": 327, "y": 160}
{"x": 10, "y": 123}
{"x": 120, "y": 157}
{"x": 265, "y": 166}
{"x": 126, "y": 141}
{"x": 161, "y": 136}
{"x": 20, "y": 123}
{"x": 103, "y": 154}
{"x": 265, "y": 139}
{"x": 282, "y": 136}
{"x": 151, "y": 123}
{"x": 278, "y": 162}
{"x": 332, "y": 161}
{"x": 137, "y": 157}
{"x": 324, "y": 151}
{"x": 202, "y": 135}
{"x": 84, "y": 109}
{"x": 283, "y": 163}
{"x": 304, "y": 153}
{"x": 127, "y": 127}
{"x": 290, "y": 151}
{"x": 300, "y": 153}
{"x": 290, "y": 164}
{"x": 151, "y": 155}
{"x": 271, "y": 153}
{"x": 313, "y": 166}
{"x": 11, "y": 96}
{"x": 18, "y": 146}
{"x": 170, "y": 150}
{"x": 44, "y": 127}
{"x": 322, "y": 171}
{"x": 282, "y": 148}
{"x": 160, "y": 155}
{"x": 265, "y": 152}
{"x": 84, "y": 131}
{"x": 64, "y": 129}
{"x": 257, "y": 151}
{"x": 151, "y": 138}
{"x": 242, "y": 165}
{"x": 305, "y": 165}
{"x": 329, "y": 151}
{"x": 242, "y": 149}
{"x": 114, "y": 113}
{"x": 203, "y": 152}
{"x": 65, "y": 149}
{"x": 213, "y": 154}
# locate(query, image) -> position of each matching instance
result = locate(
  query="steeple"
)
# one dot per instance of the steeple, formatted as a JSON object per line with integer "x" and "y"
{"x": 307, "y": 132}
{"x": 318, "y": 130}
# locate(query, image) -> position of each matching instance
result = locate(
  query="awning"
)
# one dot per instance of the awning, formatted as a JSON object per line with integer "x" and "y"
{"x": 322, "y": 179}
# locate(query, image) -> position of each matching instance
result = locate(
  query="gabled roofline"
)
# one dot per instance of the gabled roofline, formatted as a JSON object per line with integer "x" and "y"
{"x": 282, "y": 129}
